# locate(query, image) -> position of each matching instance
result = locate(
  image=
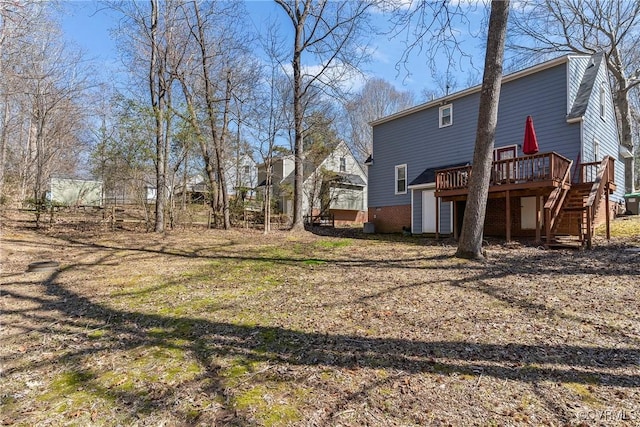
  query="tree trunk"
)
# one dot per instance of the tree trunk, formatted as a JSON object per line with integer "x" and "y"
{"x": 298, "y": 117}
{"x": 168, "y": 173}
{"x": 626, "y": 136}
{"x": 267, "y": 196}
{"x": 221, "y": 199}
{"x": 204, "y": 149}
{"x": 3, "y": 145}
{"x": 39, "y": 164}
{"x": 219, "y": 148}
{"x": 157, "y": 103}
{"x": 470, "y": 245}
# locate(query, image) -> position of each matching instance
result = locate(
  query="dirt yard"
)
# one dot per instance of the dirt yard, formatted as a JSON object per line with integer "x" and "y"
{"x": 210, "y": 327}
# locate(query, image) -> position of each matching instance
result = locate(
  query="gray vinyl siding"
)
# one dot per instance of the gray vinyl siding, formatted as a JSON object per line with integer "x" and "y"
{"x": 446, "y": 213}
{"x": 604, "y": 130}
{"x": 416, "y": 140}
{"x": 543, "y": 96}
{"x": 416, "y": 227}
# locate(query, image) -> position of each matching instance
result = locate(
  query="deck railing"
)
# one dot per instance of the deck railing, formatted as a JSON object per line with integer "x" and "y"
{"x": 555, "y": 202}
{"x": 538, "y": 167}
{"x": 604, "y": 176}
{"x": 589, "y": 171}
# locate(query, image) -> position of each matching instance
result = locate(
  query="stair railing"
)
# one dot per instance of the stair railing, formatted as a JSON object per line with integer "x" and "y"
{"x": 595, "y": 195}
{"x": 555, "y": 201}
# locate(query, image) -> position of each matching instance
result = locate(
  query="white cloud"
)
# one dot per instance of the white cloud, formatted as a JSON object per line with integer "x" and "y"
{"x": 346, "y": 78}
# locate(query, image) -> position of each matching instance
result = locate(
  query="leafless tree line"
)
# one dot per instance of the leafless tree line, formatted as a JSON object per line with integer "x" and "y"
{"x": 204, "y": 87}
{"x": 43, "y": 119}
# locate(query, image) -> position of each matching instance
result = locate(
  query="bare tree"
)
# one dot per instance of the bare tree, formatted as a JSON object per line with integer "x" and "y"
{"x": 215, "y": 69}
{"x": 53, "y": 81}
{"x": 470, "y": 244}
{"x": 122, "y": 156}
{"x": 329, "y": 31}
{"x": 18, "y": 24}
{"x": 376, "y": 99}
{"x": 429, "y": 24}
{"x": 268, "y": 115}
{"x": 431, "y": 28}
{"x": 154, "y": 40}
{"x": 543, "y": 28}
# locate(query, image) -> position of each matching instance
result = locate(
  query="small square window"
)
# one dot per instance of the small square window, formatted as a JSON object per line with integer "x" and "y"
{"x": 446, "y": 115}
{"x": 401, "y": 179}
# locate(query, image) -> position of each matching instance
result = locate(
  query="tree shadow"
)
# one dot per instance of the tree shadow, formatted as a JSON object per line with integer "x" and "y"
{"x": 209, "y": 340}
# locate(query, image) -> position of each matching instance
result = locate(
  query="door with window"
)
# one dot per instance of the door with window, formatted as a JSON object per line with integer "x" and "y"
{"x": 505, "y": 171}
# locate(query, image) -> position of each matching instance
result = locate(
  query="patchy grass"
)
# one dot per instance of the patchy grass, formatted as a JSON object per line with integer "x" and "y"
{"x": 627, "y": 228}
{"x": 237, "y": 328}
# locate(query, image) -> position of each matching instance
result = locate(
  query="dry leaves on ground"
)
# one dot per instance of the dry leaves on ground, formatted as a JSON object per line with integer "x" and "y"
{"x": 210, "y": 327}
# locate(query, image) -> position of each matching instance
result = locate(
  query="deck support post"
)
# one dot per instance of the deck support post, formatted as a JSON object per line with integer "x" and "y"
{"x": 508, "y": 217}
{"x": 589, "y": 208}
{"x": 455, "y": 220}
{"x": 437, "y": 218}
{"x": 608, "y": 212}
{"x": 538, "y": 217}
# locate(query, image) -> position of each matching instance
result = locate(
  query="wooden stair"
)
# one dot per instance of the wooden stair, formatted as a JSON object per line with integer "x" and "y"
{"x": 571, "y": 219}
{"x": 570, "y": 229}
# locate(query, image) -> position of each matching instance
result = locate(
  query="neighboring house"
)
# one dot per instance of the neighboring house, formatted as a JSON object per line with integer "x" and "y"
{"x": 419, "y": 168}
{"x": 194, "y": 189}
{"x": 242, "y": 176}
{"x": 337, "y": 186}
{"x": 76, "y": 192}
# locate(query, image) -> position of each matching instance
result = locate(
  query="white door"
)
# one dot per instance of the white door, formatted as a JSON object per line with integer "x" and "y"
{"x": 428, "y": 211}
{"x": 528, "y": 213}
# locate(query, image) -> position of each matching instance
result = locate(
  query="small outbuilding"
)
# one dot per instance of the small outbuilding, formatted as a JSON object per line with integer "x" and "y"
{"x": 76, "y": 192}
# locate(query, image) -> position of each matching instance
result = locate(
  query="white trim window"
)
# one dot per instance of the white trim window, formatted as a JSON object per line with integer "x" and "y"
{"x": 401, "y": 179}
{"x": 343, "y": 164}
{"x": 445, "y": 116}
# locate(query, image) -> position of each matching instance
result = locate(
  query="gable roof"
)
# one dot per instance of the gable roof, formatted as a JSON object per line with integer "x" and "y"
{"x": 351, "y": 179}
{"x": 344, "y": 146}
{"x": 457, "y": 95}
{"x": 583, "y": 96}
{"x": 309, "y": 169}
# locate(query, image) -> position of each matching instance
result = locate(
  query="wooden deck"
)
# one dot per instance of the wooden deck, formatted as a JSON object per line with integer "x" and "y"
{"x": 547, "y": 175}
{"x": 545, "y": 170}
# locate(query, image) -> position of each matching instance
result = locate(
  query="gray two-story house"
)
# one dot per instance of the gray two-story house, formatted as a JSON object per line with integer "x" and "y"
{"x": 421, "y": 160}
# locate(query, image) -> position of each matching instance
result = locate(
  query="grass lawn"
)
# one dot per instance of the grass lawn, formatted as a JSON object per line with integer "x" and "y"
{"x": 210, "y": 327}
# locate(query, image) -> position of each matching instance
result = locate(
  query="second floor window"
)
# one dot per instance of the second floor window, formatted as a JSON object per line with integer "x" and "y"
{"x": 446, "y": 115}
{"x": 343, "y": 164}
{"x": 401, "y": 179}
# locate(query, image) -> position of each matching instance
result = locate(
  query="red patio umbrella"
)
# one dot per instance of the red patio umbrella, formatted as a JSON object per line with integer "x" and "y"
{"x": 530, "y": 145}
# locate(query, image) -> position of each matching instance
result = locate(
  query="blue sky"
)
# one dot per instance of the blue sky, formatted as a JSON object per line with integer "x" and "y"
{"x": 87, "y": 25}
